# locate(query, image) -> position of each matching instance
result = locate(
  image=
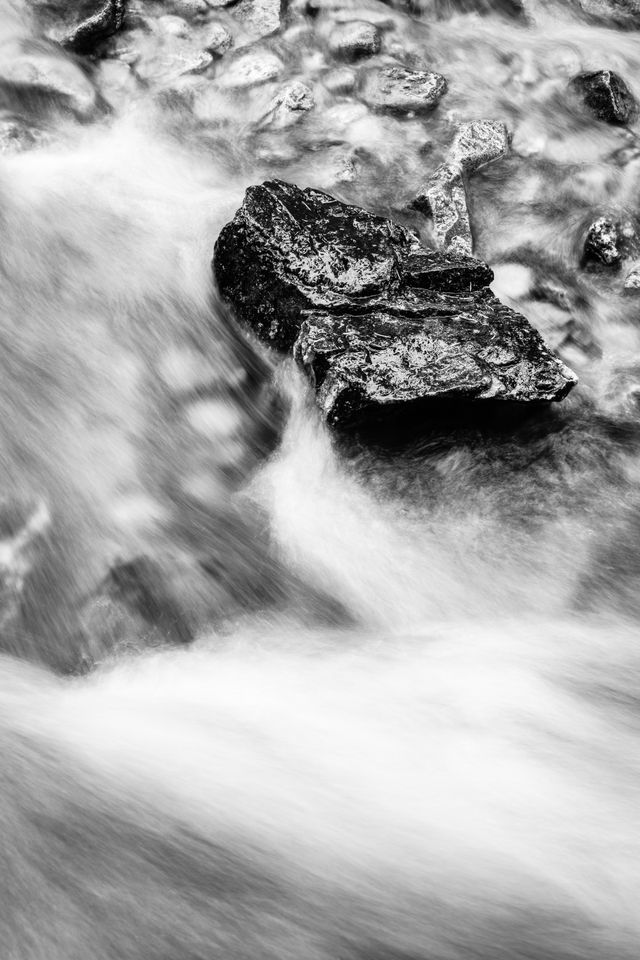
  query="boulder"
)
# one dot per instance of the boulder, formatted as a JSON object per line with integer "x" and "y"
{"x": 379, "y": 323}
{"x": 79, "y": 26}
{"x": 606, "y": 96}
{"x": 398, "y": 90}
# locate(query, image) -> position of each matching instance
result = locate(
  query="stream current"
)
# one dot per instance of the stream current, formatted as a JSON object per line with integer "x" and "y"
{"x": 406, "y": 725}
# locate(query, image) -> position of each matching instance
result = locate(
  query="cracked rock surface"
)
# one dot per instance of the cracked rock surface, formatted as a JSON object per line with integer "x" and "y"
{"x": 379, "y": 324}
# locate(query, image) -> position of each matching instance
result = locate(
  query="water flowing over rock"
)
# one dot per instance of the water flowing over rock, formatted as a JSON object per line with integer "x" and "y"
{"x": 398, "y": 90}
{"x": 606, "y": 95}
{"x": 350, "y": 41}
{"x": 379, "y": 324}
{"x": 79, "y": 26}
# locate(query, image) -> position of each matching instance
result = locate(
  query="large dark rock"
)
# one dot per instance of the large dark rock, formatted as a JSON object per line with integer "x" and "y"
{"x": 606, "y": 96}
{"x": 377, "y": 321}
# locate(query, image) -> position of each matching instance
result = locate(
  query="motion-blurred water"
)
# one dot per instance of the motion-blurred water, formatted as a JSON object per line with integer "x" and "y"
{"x": 408, "y": 724}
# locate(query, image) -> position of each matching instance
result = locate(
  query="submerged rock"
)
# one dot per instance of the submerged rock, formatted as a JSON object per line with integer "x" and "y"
{"x": 79, "y": 26}
{"x": 353, "y": 40}
{"x": 250, "y": 70}
{"x": 606, "y": 96}
{"x": 479, "y": 142}
{"x": 378, "y": 323}
{"x": 288, "y": 106}
{"x": 398, "y": 90}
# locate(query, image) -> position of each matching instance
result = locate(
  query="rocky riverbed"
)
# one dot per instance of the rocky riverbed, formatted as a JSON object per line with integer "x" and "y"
{"x": 319, "y": 508}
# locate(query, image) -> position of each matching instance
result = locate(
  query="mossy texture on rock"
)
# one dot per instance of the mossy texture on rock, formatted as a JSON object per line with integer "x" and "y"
{"x": 376, "y": 320}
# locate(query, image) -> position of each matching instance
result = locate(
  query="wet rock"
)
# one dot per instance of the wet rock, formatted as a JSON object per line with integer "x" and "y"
{"x": 17, "y": 135}
{"x": 444, "y": 196}
{"x": 250, "y": 70}
{"x": 219, "y": 40}
{"x": 606, "y": 96}
{"x": 602, "y": 243}
{"x": 632, "y": 281}
{"x": 289, "y": 106}
{"x": 612, "y": 12}
{"x": 79, "y": 26}
{"x": 398, "y": 90}
{"x": 479, "y": 142}
{"x": 170, "y": 63}
{"x": 444, "y": 199}
{"x": 380, "y": 324}
{"x": 351, "y": 41}
{"x": 47, "y": 81}
{"x": 260, "y": 17}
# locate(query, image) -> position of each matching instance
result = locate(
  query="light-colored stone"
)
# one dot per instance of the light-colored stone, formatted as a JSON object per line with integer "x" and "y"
{"x": 58, "y": 75}
{"x": 399, "y": 90}
{"x": 289, "y": 105}
{"x": 219, "y": 40}
{"x": 250, "y": 70}
{"x": 478, "y": 142}
{"x": 260, "y": 17}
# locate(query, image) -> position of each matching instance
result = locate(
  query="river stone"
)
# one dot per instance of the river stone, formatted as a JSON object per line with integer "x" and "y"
{"x": 606, "y": 96}
{"x": 260, "y": 17}
{"x": 250, "y": 70}
{"x": 632, "y": 281}
{"x": 399, "y": 90}
{"x": 351, "y": 41}
{"x": 602, "y": 243}
{"x": 55, "y": 78}
{"x": 288, "y": 106}
{"x": 479, "y": 142}
{"x": 219, "y": 40}
{"x": 79, "y": 26}
{"x": 378, "y": 323}
{"x": 444, "y": 199}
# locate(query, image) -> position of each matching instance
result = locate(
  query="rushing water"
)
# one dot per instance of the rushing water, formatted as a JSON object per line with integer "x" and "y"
{"x": 408, "y": 724}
